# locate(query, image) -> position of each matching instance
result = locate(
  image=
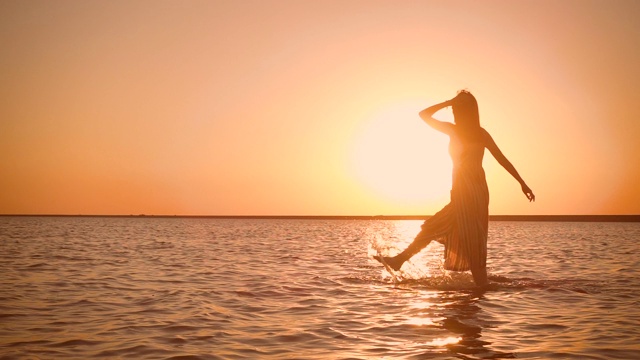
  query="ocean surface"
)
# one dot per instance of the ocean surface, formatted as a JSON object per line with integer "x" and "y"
{"x": 189, "y": 288}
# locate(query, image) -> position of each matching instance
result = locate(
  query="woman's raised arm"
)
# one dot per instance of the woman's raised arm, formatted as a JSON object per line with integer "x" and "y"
{"x": 442, "y": 126}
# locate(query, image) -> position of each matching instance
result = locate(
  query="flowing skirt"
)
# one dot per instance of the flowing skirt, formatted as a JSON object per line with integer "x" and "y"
{"x": 463, "y": 224}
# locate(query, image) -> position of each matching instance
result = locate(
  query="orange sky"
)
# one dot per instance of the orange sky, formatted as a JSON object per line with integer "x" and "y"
{"x": 310, "y": 107}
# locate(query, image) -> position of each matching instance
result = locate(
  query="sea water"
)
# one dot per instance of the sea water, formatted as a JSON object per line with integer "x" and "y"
{"x": 187, "y": 288}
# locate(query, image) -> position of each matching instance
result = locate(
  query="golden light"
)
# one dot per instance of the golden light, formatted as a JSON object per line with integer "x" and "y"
{"x": 400, "y": 158}
{"x": 445, "y": 341}
{"x": 418, "y": 321}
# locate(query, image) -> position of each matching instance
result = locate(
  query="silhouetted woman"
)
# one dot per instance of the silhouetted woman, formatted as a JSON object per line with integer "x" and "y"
{"x": 462, "y": 225}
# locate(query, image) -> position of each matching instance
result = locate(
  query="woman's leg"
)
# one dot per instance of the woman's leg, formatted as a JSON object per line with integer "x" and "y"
{"x": 420, "y": 242}
{"x": 479, "y": 275}
{"x": 434, "y": 227}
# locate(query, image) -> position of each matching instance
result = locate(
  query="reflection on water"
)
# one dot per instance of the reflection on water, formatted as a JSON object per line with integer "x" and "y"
{"x": 465, "y": 319}
{"x": 81, "y": 288}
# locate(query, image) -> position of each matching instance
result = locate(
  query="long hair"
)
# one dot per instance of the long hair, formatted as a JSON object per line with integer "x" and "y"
{"x": 465, "y": 113}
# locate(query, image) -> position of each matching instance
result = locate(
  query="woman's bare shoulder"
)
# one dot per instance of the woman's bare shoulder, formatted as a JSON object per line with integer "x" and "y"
{"x": 488, "y": 141}
{"x": 486, "y": 137}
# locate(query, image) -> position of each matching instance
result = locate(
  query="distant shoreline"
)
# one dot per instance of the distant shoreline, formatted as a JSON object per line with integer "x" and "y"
{"x": 548, "y": 218}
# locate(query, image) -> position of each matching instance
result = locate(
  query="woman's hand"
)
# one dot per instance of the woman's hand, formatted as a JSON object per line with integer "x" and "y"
{"x": 528, "y": 193}
{"x": 451, "y": 102}
{"x": 461, "y": 97}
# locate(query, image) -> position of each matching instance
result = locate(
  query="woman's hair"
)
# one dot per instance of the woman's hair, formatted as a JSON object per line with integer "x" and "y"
{"x": 465, "y": 110}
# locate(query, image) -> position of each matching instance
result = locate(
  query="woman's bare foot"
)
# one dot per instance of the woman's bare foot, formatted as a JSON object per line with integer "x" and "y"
{"x": 393, "y": 262}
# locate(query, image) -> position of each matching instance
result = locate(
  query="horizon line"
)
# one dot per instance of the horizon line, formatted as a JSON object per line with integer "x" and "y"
{"x": 551, "y": 218}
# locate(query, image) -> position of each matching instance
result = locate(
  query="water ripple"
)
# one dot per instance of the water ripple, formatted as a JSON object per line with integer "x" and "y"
{"x": 83, "y": 288}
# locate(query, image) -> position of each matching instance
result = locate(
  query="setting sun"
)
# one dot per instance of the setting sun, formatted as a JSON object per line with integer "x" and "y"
{"x": 311, "y": 108}
{"x": 398, "y": 157}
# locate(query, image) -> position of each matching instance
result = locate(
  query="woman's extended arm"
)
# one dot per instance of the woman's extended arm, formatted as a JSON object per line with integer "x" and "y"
{"x": 502, "y": 160}
{"x": 427, "y": 116}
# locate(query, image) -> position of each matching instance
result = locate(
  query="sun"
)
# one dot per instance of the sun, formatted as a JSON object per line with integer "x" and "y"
{"x": 401, "y": 159}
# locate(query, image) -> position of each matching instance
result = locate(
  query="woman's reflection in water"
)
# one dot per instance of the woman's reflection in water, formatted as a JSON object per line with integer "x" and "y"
{"x": 463, "y": 316}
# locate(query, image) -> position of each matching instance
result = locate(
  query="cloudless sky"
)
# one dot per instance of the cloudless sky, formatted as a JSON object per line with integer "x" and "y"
{"x": 277, "y": 107}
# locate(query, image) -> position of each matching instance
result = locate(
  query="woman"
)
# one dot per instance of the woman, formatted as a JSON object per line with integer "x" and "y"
{"x": 462, "y": 225}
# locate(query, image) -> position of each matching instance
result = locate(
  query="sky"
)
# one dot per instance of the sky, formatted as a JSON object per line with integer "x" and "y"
{"x": 287, "y": 107}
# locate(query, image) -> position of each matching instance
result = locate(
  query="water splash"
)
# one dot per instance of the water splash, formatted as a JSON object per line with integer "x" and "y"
{"x": 424, "y": 270}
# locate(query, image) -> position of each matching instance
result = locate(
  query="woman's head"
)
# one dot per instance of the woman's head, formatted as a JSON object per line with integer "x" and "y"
{"x": 465, "y": 110}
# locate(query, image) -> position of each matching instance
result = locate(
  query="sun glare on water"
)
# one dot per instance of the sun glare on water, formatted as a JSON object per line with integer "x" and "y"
{"x": 400, "y": 158}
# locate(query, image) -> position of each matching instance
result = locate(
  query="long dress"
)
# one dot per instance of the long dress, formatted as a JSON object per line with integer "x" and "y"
{"x": 462, "y": 225}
